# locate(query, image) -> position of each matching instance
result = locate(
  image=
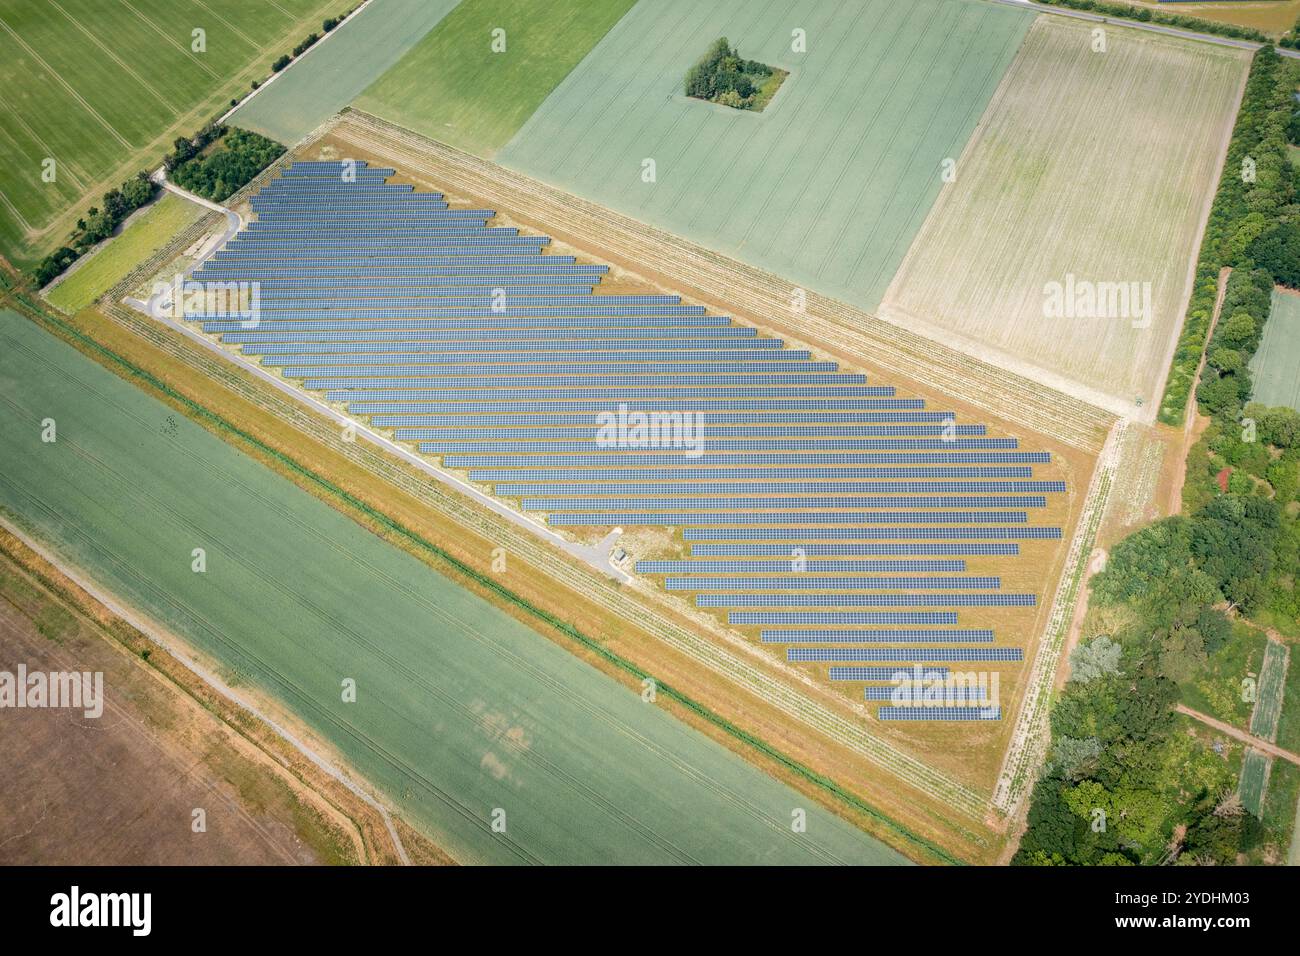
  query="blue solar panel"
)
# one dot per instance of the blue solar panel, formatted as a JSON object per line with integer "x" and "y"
{"x": 917, "y": 654}
{"x": 789, "y": 517}
{"x": 615, "y": 459}
{"x": 826, "y": 636}
{"x": 705, "y": 474}
{"x": 907, "y": 694}
{"x": 732, "y": 504}
{"x": 840, "y": 618}
{"x": 739, "y": 550}
{"x": 774, "y": 567}
{"x": 865, "y": 600}
{"x": 940, "y": 713}
{"x": 806, "y": 490}
{"x": 813, "y": 582}
{"x": 886, "y": 673}
{"x": 849, "y": 534}
{"x": 732, "y": 550}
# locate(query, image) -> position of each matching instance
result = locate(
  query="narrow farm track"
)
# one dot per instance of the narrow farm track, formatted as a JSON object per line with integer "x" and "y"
{"x": 760, "y": 298}
{"x": 1259, "y": 743}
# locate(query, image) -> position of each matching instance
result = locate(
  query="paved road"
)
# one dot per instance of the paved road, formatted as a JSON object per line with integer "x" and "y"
{"x": 1149, "y": 27}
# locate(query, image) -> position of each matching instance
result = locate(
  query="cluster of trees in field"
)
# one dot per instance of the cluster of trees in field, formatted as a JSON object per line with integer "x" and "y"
{"x": 1147, "y": 15}
{"x": 1254, "y": 229}
{"x": 1124, "y": 784}
{"x": 98, "y": 224}
{"x": 723, "y": 76}
{"x": 241, "y": 156}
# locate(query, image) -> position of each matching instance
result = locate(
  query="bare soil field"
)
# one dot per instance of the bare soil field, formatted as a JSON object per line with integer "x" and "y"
{"x": 1091, "y": 174}
{"x": 122, "y": 788}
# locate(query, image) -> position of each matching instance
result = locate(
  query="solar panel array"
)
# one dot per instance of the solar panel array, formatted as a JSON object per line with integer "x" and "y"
{"x": 794, "y": 485}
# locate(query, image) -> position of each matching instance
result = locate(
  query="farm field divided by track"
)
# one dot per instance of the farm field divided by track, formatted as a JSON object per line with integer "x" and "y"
{"x": 1099, "y": 166}
{"x": 105, "y": 99}
{"x": 825, "y": 187}
{"x": 332, "y": 75}
{"x": 1276, "y": 363}
{"x": 150, "y": 231}
{"x": 453, "y": 86}
{"x": 460, "y": 709}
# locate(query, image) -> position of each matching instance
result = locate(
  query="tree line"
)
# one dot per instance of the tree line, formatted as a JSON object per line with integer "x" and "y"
{"x": 1147, "y": 15}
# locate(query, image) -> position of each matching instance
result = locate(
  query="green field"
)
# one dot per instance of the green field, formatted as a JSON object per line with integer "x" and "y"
{"x": 1272, "y": 687}
{"x": 453, "y": 87}
{"x": 829, "y": 183}
{"x": 460, "y": 708}
{"x": 95, "y": 275}
{"x": 1288, "y": 725}
{"x": 103, "y": 92}
{"x": 1276, "y": 364}
{"x": 1254, "y": 780}
{"x": 332, "y": 75}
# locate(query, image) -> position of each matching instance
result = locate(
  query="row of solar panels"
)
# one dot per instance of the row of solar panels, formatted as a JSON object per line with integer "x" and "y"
{"x": 910, "y": 654}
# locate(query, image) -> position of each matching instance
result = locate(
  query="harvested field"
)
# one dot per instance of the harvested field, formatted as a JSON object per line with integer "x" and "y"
{"x": 1274, "y": 17}
{"x": 1276, "y": 363}
{"x": 827, "y": 186}
{"x": 329, "y": 77}
{"x": 1078, "y": 211}
{"x": 519, "y": 723}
